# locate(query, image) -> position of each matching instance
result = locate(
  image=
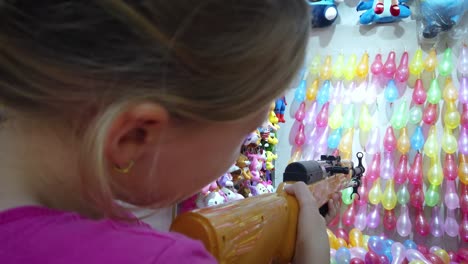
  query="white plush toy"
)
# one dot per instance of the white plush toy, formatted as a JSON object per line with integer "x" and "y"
{"x": 214, "y": 198}
{"x": 230, "y": 195}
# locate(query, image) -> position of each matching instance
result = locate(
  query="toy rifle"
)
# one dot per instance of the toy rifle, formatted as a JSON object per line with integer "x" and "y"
{"x": 262, "y": 229}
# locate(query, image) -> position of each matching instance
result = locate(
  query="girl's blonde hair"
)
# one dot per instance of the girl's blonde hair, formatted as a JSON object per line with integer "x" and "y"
{"x": 76, "y": 61}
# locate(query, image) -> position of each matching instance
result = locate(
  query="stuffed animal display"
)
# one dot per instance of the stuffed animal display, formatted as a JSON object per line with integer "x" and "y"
{"x": 440, "y": 15}
{"x": 379, "y": 11}
{"x": 323, "y": 12}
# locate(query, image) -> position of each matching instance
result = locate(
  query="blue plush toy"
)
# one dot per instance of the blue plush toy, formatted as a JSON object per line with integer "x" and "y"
{"x": 369, "y": 16}
{"x": 441, "y": 15}
{"x": 324, "y": 12}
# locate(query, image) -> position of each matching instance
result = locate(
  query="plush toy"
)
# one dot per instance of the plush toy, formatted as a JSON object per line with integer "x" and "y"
{"x": 258, "y": 189}
{"x": 252, "y": 138}
{"x": 243, "y": 163}
{"x": 280, "y": 107}
{"x": 323, "y": 12}
{"x": 214, "y": 198}
{"x": 441, "y": 15}
{"x": 269, "y": 186}
{"x": 231, "y": 195}
{"x": 272, "y": 142}
{"x": 245, "y": 191}
{"x": 226, "y": 180}
{"x": 370, "y": 16}
{"x": 209, "y": 188}
{"x": 270, "y": 157}
{"x": 255, "y": 166}
{"x": 394, "y": 8}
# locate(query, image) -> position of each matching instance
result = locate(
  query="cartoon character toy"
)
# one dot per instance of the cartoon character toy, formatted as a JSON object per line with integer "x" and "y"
{"x": 379, "y": 11}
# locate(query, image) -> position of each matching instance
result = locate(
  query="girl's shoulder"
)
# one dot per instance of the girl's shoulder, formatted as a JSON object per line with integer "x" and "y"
{"x": 42, "y": 235}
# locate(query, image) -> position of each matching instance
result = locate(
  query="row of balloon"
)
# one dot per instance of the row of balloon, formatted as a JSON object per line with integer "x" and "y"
{"x": 356, "y": 248}
{"x": 328, "y": 90}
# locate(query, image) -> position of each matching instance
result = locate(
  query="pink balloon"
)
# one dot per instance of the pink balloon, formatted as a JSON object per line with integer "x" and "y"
{"x": 437, "y": 225}
{"x": 387, "y": 167}
{"x": 356, "y": 261}
{"x": 450, "y": 167}
{"x": 417, "y": 197}
{"x": 423, "y": 249}
{"x": 402, "y": 72}
{"x": 373, "y": 171}
{"x": 420, "y": 223}
{"x": 311, "y": 114}
{"x": 341, "y": 233}
{"x": 415, "y": 172}
{"x": 349, "y": 215}
{"x": 463, "y": 90}
{"x": 363, "y": 192}
{"x": 372, "y": 258}
{"x": 453, "y": 256}
{"x": 300, "y": 136}
{"x": 463, "y": 254}
{"x": 389, "y": 220}
{"x": 419, "y": 93}
{"x": 463, "y": 141}
{"x": 451, "y": 197}
{"x": 404, "y": 222}
{"x": 434, "y": 259}
{"x": 383, "y": 260}
{"x": 430, "y": 114}
{"x": 373, "y": 144}
{"x": 401, "y": 173}
{"x": 377, "y": 66}
{"x": 300, "y": 113}
{"x": 464, "y": 116}
{"x": 360, "y": 222}
{"x": 464, "y": 228}
{"x": 451, "y": 226}
{"x": 322, "y": 117}
{"x": 463, "y": 197}
{"x": 389, "y": 68}
{"x": 373, "y": 219}
{"x": 390, "y": 141}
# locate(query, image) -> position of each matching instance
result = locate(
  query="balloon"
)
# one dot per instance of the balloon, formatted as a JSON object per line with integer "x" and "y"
{"x": 462, "y": 65}
{"x": 451, "y": 197}
{"x": 409, "y": 244}
{"x": 437, "y": 226}
{"x": 322, "y": 146}
{"x": 373, "y": 219}
{"x": 462, "y": 168}
{"x": 389, "y": 68}
{"x": 463, "y": 95}
{"x": 326, "y": 71}
{"x": 362, "y": 191}
{"x": 314, "y": 68}
{"x": 310, "y": 115}
{"x": 346, "y": 195}
{"x": 346, "y": 144}
{"x": 450, "y": 167}
{"x": 430, "y": 63}
{"x": 376, "y": 245}
{"x": 435, "y": 174}
{"x": 463, "y": 198}
{"x": 403, "y": 195}
{"x": 358, "y": 252}
{"x": 415, "y": 115}
{"x": 363, "y": 66}
{"x": 421, "y": 225}
{"x": 415, "y": 255}
{"x": 451, "y": 116}
{"x": 442, "y": 254}
{"x": 431, "y": 147}
{"x": 398, "y": 253}
{"x": 402, "y": 72}
{"x": 371, "y": 93}
{"x": 383, "y": 259}
{"x": 390, "y": 141}
{"x": 355, "y": 238}
{"x": 296, "y": 156}
{"x": 416, "y": 65}
{"x": 365, "y": 238}
{"x": 451, "y": 225}
{"x": 349, "y": 215}
{"x": 338, "y": 67}
{"x": 300, "y": 113}
{"x": 356, "y": 261}
{"x": 419, "y": 93}
{"x": 371, "y": 257}
{"x": 387, "y": 168}
{"x": 433, "y": 259}
{"x": 391, "y": 91}
{"x": 300, "y": 93}
{"x": 432, "y": 196}
{"x": 446, "y": 65}
{"x": 453, "y": 256}
{"x": 323, "y": 95}
{"x": 341, "y": 233}
{"x": 312, "y": 90}
{"x": 464, "y": 228}
{"x": 322, "y": 117}
{"x": 338, "y": 93}
{"x": 430, "y": 114}
{"x": 334, "y": 139}
{"x": 463, "y": 141}
{"x": 336, "y": 118}
{"x": 365, "y": 120}
{"x": 348, "y": 93}
{"x": 464, "y": 117}
{"x": 400, "y": 117}
{"x": 434, "y": 94}
{"x": 389, "y": 197}
{"x": 389, "y": 220}
{"x": 360, "y": 222}
{"x": 377, "y": 66}
{"x": 375, "y": 193}
{"x": 300, "y": 137}
{"x": 415, "y": 172}
{"x": 348, "y": 120}
{"x": 404, "y": 223}
{"x": 341, "y": 243}
{"x": 403, "y": 143}
{"x": 349, "y": 71}
{"x": 450, "y": 93}
{"x": 417, "y": 197}
{"x": 332, "y": 239}
{"x": 373, "y": 145}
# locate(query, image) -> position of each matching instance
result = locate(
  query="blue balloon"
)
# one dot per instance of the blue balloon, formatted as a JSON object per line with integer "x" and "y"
{"x": 391, "y": 92}
{"x": 417, "y": 139}
{"x": 334, "y": 139}
{"x": 343, "y": 256}
{"x": 409, "y": 244}
{"x": 323, "y": 94}
{"x": 376, "y": 244}
{"x": 300, "y": 93}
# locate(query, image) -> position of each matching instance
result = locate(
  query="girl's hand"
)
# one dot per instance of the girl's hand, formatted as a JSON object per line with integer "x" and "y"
{"x": 334, "y": 206}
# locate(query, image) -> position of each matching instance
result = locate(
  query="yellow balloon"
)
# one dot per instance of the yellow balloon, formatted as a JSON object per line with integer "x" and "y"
{"x": 430, "y": 64}
{"x": 416, "y": 64}
{"x": 451, "y": 116}
{"x": 365, "y": 119}
{"x": 342, "y": 242}
{"x": 365, "y": 240}
{"x": 314, "y": 68}
{"x": 326, "y": 71}
{"x": 338, "y": 67}
{"x": 355, "y": 238}
{"x": 435, "y": 175}
{"x": 363, "y": 66}
{"x": 417, "y": 261}
{"x": 296, "y": 155}
{"x": 346, "y": 143}
{"x": 443, "y": 255}
{"x": 389, "y": 197}
{"x": 431, "y": 147}
{"x": 375, "y": 194}
{"x": 403, "y": 143}
{"x": 332, "y": 239}
{"x": 449, "y": 142}
{"x": 336, "y": 118}
{"x": 350, "y": 69}
{"x": 463, "y": 168}
{"x": 450, "y": 93}
{"x": 312, "y": 90}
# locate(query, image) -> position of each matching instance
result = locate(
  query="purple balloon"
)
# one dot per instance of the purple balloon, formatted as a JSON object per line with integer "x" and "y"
{"x": 463, "y": 94}
{"x": 451, "y": 225}
{"x": 387, "y": 167}
{"x": 451, "y": 197}
{"x": 413, "y": 254}
{"x": 358, "y": 252}
{"x": 371, "y": 258}
{"x": 404, "y": 222}
{"x": 437, "y": 225}
{"x": 463, "y": 140}
{"x": 398, "y": 253}
{"x": 360, "y": 222}
{"x": 373, "y": 144}
{"x": 373, "y": 219}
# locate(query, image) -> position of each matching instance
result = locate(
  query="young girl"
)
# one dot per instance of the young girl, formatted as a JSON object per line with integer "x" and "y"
{"x": 113, "y": 102}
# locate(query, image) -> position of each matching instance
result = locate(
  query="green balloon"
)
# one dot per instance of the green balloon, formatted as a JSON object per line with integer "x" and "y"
{"x": 446, "y": 65}
{"x": 346, "y": 195}
{"x": 434, "y": 94}
{"x": 332, "y": 260}
{"x": 432, "y": 196}
{"x": 403, "y": 195}
{"x": 348, "y": 120}
{"x": 400, "y": 117}
{"x": 415, "y": 115}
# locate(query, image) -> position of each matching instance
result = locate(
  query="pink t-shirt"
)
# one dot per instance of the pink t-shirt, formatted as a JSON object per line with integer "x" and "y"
{"x": 41, "y": 235}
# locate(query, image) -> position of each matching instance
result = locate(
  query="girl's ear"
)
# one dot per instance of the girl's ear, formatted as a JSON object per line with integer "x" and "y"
{"x": 135, "y": 131}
